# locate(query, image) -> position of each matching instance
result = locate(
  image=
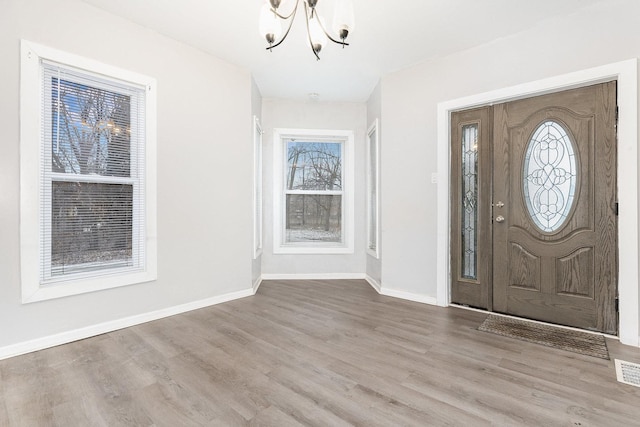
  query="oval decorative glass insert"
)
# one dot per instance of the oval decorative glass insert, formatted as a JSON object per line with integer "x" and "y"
{"x": 549, "y": 176}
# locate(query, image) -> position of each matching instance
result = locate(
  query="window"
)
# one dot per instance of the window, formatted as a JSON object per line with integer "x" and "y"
{"x": 257, "y": 188}
{"x": 550, "y": 176}
{"x": 313, "y": 191}
{"x": 88, "y": 183}
{"x": 373, "y": 184}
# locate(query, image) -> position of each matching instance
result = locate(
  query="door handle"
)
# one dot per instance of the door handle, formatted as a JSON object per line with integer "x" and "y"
{"x": 499, "y": 218}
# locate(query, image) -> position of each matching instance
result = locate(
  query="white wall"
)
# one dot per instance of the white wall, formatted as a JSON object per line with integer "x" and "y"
{"x": 374, "y": 111}
{"x": 604, "y": 33}
{"x": 314, "y": 115}
{"x": 204, "y": 169}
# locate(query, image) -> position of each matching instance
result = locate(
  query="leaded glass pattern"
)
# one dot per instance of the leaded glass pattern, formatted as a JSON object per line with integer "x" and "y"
{"x": 469, "y": 211}
{"x": 549, "y": 176}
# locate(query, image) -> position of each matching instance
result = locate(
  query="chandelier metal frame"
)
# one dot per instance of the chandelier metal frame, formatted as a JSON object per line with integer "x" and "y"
{"x": 310, "y": 14}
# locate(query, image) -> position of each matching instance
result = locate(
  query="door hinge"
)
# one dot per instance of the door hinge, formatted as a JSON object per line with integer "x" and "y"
{"x": 617, "y": 114}
{"x": 616, "y": 208}
{"x": 617, "y": 303}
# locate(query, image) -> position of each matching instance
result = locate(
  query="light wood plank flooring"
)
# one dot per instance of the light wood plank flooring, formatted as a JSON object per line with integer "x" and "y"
{"x": 325, "y": 353}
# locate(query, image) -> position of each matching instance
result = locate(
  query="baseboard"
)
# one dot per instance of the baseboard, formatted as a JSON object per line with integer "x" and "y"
{"x": 102, "y": 328}
{"x": 408, "y": 296}
{"x": 257, "y": 284}
{"x": 319, "y": 276}
{"x": 400, "y": 294}
{"x": 374, "y": 283}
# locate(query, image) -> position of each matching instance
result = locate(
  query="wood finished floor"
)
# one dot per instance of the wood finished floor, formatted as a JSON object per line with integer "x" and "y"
{"x": 325, "y": 353}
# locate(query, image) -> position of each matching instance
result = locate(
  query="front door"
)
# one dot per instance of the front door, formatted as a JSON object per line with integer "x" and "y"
{"x": 553, "y": 208}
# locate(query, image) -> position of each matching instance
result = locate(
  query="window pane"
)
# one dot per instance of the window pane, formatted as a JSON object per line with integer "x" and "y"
{"x": 469, "y": 211}
{"x": 91, "y": 226}
{"x": 314, "y": 166}
{"x": 257, "y": 187}
{"x": 91, "y": 130}
{"x": 373, "y": 191}
{"x": 549, "y": 176}
{"x": 313, "y": 218}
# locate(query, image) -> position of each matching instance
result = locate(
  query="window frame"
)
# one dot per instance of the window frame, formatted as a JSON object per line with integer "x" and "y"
{"x": 33, "y": 192}
{"x": 280, "y": 138}
{"x": 373, "y": 176}
{"x": 257, "y": 188}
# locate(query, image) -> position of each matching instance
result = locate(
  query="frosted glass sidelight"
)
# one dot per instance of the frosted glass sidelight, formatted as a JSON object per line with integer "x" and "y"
{"x": 549, "y": 176}
{"x": 469, "y": 211}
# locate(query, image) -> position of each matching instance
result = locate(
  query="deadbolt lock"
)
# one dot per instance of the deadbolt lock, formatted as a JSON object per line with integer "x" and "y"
{"x": 499, "y": 204}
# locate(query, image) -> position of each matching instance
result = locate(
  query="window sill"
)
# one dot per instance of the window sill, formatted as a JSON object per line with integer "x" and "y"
{"x": 312, "y": 250}
{"x": 37, "y": 292}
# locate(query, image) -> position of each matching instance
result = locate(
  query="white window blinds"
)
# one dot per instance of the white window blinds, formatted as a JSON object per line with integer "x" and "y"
{"x": 92, "y": 172}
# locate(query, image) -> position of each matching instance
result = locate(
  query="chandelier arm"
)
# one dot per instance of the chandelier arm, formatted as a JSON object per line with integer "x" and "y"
{"x": 293, "y": 12}
{"x": 306, "y": 18}
{"x": 293, "y": 16}
{"x": 329, "y": 35}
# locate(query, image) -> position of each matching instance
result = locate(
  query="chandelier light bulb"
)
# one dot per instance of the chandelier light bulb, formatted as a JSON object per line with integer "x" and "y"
{"x": 269, "y": 26}
{"x": 317, "y": 35}
{"x": 343, "y": 18}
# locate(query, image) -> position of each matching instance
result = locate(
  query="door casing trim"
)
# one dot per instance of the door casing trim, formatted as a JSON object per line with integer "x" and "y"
{"x": 626, "y": 74}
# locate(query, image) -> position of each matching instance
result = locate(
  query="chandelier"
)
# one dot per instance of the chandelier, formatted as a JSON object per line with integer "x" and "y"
{"x": 275, "y": 13}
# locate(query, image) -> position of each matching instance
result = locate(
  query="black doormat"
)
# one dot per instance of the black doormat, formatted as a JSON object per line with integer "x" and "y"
{"x": 565, "y": 339}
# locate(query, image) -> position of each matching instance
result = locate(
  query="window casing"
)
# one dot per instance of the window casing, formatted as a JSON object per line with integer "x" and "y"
{"x": 88, "y": 175}
{"x": 373, "y": 185}
{"x": 257, "y": 188}
{"x": 313, "y": 186}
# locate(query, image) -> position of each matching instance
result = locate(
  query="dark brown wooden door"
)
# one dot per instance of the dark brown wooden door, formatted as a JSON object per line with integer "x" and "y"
{"x": 554, "y": 208}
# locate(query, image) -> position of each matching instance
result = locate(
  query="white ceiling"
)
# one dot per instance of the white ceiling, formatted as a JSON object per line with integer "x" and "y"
{"x": 389, "y": 35}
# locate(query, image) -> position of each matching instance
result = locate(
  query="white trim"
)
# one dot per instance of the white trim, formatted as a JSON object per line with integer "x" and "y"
{"x": 346, "y": 138}
{"x": 627, "y": 76}
{"x": 256, "y": 285}
{"x": 374, "y": 283}
{"x": 31, "y": 166}
{"x": 394, "y": 293}
{"x": 102, "y": 328}
{"x": 311, "y": 276}
{"x": 409, "y": 296}
{"x": 257, "y": 187}
{"x": 374, "y": 128}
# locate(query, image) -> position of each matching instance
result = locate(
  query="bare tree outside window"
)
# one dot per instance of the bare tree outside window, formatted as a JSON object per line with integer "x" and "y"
{"x": 314, "y": 192}
{"x": 91, "y": 212}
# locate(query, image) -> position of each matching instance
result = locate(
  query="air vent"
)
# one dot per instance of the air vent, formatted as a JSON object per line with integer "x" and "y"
{"x": 628, "y": 373}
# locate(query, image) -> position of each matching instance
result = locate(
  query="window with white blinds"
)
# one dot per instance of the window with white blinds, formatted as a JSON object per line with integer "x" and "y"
{"x": 94, "y": 147}
{"x": 92, "y": 189}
